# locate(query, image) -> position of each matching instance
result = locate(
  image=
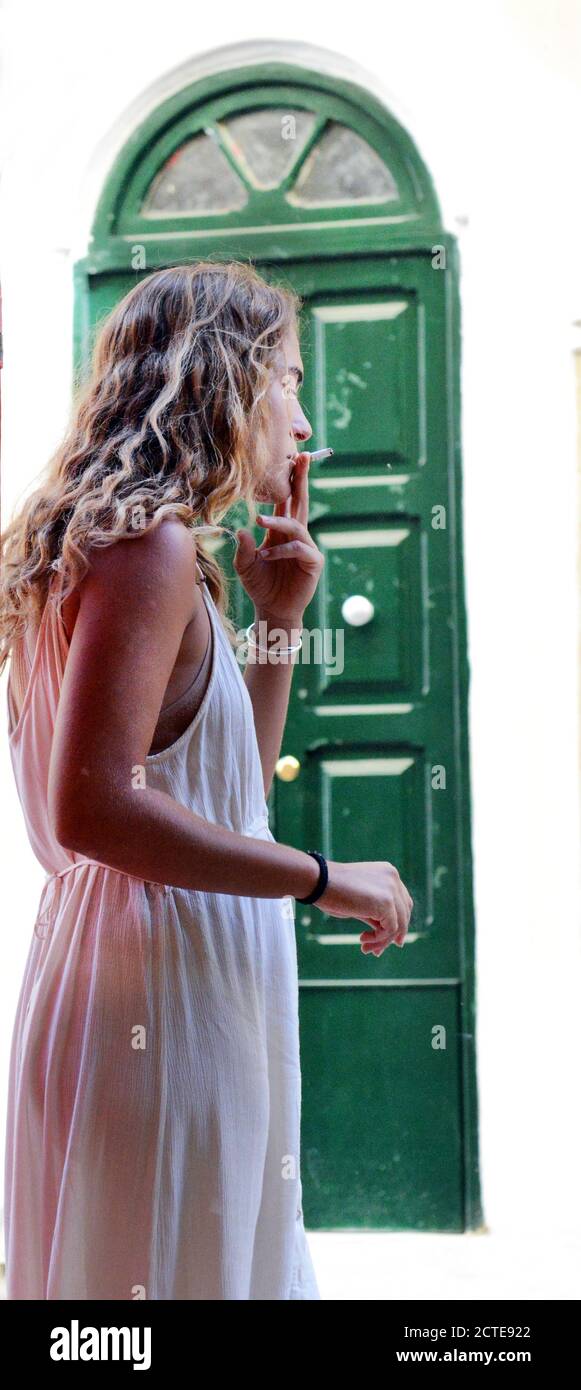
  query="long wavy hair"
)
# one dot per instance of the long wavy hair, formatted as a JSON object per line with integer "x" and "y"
{"x": 172, "y": 420}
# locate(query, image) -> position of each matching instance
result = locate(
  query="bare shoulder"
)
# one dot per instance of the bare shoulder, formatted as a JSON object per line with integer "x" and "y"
{"x": 164, "y": 553}
{"x": 139, "y": 568}
{"x": 154, "y": 569}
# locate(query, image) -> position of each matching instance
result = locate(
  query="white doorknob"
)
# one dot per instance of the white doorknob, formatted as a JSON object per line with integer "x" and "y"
{"x": 357, "y": 610}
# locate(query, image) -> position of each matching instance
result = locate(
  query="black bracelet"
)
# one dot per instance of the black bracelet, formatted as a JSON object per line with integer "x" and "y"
{"x": 319, "y": 888}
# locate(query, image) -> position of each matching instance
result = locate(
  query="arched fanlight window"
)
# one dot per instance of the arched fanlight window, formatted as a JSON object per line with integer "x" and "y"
{"x": 211, "y": 172}
{"x": 263, "y": 162}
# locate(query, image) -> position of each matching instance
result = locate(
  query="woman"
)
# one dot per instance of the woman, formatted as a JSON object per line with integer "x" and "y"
{"x": 154, "y": 1112}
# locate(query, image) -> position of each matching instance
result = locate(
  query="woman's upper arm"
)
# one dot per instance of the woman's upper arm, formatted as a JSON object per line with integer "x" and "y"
{"x": 135, "y": 603}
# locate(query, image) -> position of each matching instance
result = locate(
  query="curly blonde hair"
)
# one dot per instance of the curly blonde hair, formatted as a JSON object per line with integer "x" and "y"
{"x": 172, "y": 420}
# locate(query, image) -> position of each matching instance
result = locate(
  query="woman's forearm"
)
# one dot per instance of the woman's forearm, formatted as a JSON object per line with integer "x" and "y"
{"x": 146, "y": 833}
{"x": 268, "y": 684}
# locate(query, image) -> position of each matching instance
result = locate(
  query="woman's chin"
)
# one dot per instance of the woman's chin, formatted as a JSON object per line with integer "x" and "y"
{"x": 278, "y": 491}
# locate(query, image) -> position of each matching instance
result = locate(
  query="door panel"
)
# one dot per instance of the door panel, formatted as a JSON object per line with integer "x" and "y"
{"x": 381, "y": 1109}
{"x": 383, "y": 565}
{"x": 369, "y": 415}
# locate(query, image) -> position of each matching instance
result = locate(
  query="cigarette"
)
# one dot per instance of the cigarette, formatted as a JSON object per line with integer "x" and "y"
{"x": 321, "y": 454}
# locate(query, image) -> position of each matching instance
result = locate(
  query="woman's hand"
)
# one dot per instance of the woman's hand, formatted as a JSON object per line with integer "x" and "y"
{"x": 281, "y": 575}
{"x": 374, "y": 893}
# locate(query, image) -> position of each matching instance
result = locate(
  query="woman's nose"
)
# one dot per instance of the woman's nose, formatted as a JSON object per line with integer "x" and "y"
{"x": 301, "y": 428}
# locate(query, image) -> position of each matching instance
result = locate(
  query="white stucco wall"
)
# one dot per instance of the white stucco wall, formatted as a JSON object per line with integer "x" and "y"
{"x": 493, "y": 102}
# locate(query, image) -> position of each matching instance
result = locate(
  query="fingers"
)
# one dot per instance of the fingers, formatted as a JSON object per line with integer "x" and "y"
{"x": 403, "y": 909}
{"x": 390, "y": 930}
{"x": 300, "y": 488}
{"x": 370, "y": 948}
{"x": 245, "y": 551}
{"x": 376, "y": 948}
{"x": 286, "y": 526}
{"x": 386, "y": 932}
{"x": 292, "y": 550}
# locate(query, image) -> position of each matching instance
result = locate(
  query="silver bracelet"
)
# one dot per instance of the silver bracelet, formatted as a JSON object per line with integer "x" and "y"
{"x": 285, "y": 650}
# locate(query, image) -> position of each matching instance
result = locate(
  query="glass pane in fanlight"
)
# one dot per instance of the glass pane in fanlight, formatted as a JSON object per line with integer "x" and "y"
{"x": 341, "y": 169}
{"x": 267, "y": 141}
{"x": 196, "y": 179}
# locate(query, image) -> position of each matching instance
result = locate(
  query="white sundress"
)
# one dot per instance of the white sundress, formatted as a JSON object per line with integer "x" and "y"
{"x": 153, "y": 1125}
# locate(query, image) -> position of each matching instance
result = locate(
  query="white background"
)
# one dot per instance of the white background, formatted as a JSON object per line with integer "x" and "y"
{"x": 492, "y": 98}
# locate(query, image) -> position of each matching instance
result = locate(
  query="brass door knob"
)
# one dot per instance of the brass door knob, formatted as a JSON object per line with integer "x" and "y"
{"x": 287, "y": 768}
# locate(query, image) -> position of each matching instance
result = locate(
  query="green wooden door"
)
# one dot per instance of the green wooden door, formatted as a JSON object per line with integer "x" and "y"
{"x": 374, "y": 725}
{"x": 345, "y": 212}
